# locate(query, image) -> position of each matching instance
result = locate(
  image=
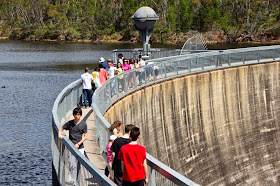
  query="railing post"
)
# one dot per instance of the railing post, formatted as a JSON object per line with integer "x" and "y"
{"x": 243, "y": 58}
{"x": 125, "y": 84}
{"x": 202, "y": 65}
{"x": 258, "y": 57}
{"x": 153, "y": 178}
{"x": 216, "y": 62}
{"x": 189, "y": 65}
{"x": 134, "y": 79}
{"x": 165, "y": 74}
{"x": 176, "y": 66}
{"x": 229, "y": 64}
{"x": 153, "y": 71}
{"x": 145, "y": 72}
{"x": 117, "y": 87}
{"x": 109, "y": 93}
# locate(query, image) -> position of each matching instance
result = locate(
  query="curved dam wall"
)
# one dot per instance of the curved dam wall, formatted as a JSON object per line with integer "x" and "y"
{"x": 217, "y": 128}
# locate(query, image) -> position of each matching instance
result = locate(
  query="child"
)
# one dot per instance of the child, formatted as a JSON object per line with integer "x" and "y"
{"x": 109, "y": 156}
{"x": 115, "y": 128}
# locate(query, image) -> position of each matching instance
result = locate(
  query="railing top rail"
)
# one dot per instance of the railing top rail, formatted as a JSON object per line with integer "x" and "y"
{"x": 168, "y": 172}
{"x": 152, "y": 161}
{"x": 214, "y": 53}
{"x": 70, "y": 146}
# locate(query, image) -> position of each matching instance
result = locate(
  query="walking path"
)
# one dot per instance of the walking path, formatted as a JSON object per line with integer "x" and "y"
{"x": 91, "y": 144}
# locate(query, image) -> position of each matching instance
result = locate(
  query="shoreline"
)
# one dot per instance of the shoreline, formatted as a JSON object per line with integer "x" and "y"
{"x": 277, "y": 41}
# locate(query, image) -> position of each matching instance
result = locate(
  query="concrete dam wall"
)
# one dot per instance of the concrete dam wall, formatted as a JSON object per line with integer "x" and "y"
{"x": 216, "y": 128}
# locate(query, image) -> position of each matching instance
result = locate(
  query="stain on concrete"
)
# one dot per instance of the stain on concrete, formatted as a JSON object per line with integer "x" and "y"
{"x": 217, "y": 128}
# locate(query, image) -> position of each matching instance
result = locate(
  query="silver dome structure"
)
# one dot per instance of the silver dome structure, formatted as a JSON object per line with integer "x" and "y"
{"x": 144, "y": 21}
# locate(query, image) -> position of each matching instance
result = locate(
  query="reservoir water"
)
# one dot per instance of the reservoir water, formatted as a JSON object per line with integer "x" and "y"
{"x": 31, "y": 76}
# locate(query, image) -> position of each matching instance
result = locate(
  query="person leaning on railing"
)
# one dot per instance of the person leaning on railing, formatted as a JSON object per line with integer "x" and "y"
{"x": 77, "y": 134}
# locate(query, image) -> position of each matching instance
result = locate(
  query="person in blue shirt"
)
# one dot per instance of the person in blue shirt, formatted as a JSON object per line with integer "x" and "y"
{"x": 104, "y": 63}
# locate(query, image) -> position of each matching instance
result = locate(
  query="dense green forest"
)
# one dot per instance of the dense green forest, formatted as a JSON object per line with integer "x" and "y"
{"x": 110, "y": 20}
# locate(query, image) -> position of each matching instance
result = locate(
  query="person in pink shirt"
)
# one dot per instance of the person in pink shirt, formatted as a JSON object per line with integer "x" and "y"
{"x": 109, "y": 156}
{"x": 125, "y": 65}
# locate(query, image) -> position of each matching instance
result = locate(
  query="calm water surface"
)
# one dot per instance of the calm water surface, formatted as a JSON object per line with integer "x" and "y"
{"x": 31, "y": 76}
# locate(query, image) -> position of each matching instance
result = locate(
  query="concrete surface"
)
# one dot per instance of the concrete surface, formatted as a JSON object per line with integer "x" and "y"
{"x": 216, "y": 128}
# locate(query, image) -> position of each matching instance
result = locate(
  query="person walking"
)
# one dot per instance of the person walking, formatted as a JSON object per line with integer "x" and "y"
{"x": 87, "y": 80}
{"x": 116, "y": 146}
{"x": 115, "y": 128}
{"x": 133, "y": 161}
{"x": 109, "y": 156}
{"x": 77, "y": 134}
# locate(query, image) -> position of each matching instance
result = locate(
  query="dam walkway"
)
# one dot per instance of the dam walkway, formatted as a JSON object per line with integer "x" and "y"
{"x": 108, "y": 95}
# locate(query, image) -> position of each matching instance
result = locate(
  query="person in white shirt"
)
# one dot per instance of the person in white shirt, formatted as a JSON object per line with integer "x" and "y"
{"x": 142, "y": 73}
{"x": 120, "y": 58}
{"x": 87, "y": 80}
{"x": 111, "y": 71}
{"x": 111, "y": 74}
{"x": 141, "y": 61}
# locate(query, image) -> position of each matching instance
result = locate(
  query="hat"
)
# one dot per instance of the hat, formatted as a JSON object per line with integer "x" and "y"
{"x": 101, "y": 59}
{"x": 113, "y": 137}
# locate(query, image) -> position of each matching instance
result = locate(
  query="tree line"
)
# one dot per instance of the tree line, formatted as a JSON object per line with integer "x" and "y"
{"x": 111, "y": 19}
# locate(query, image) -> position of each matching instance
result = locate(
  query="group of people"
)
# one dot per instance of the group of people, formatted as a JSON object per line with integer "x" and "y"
{"x": 106, "y": 70}
{"x": 126, "y": 159}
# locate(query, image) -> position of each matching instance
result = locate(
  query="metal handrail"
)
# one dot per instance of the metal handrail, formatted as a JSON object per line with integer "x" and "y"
{"x": 192, "y": 63}
{"x": 169, "y": 67}
{"x": 61, "y": 109}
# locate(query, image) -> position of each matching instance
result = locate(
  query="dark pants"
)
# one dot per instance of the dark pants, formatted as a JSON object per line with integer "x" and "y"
{"x": 136, "y": 183}
{"x": 87, "y": 93}
{"x": 118, "y": 178}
